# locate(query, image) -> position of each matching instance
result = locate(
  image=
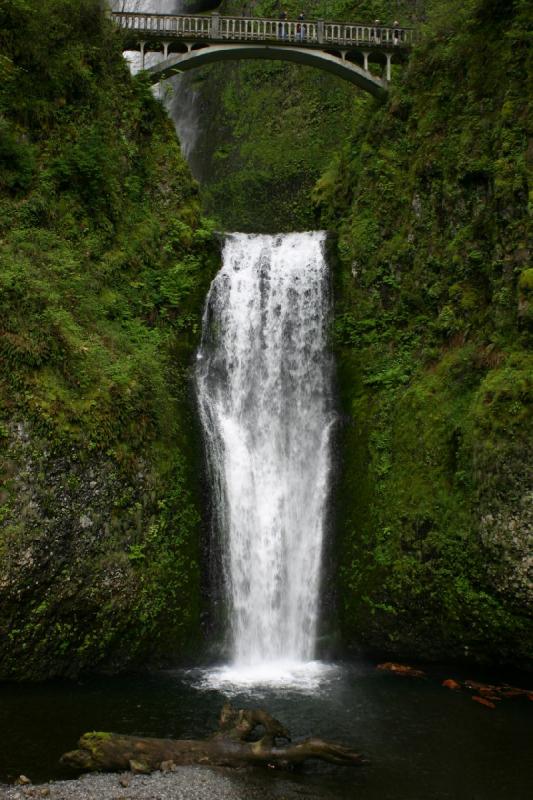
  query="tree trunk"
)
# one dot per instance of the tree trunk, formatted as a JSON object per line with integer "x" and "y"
{"x": 232, "y": 746}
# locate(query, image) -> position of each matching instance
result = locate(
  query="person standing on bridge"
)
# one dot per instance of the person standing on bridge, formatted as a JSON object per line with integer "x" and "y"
{"x": 396, "y": 32}
{"x": 300, "y": 27}
{"x": 282, "y": 26}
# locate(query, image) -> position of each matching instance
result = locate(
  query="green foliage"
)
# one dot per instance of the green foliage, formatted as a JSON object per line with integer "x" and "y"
{"x": 105, "y": 262}
{"x": 525, "y": 283}
{"x": 269, "y": 128}
{"x": 430, "y": 199}
{"x": 17, "y": 159}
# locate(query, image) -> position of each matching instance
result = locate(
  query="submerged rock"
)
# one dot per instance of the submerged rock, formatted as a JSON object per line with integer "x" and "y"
{"x": 401, "y": 669}
{"x": 483, "y": 701}
{"x": 449, "y": 683}
{"x": 488, "y": 692}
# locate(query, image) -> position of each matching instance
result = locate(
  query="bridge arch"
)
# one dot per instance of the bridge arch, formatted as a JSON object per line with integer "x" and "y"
{"x": 213, "y": 53}
{"x": 335, "y": 47}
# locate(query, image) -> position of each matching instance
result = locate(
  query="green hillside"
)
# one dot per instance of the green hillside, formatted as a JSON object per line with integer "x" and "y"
{"x": 105, "y": 263}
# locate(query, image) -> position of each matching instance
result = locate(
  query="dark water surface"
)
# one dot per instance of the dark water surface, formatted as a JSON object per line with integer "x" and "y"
{"x": 424, "y": 742}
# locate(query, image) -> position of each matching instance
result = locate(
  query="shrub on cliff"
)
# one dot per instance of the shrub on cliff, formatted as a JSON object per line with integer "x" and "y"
{"x": 430, "y": 198}
{"x": 104, "y": 264}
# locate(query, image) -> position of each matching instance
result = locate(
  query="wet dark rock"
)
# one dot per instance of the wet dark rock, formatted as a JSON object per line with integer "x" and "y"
{"x": 492, "y": 693}
{"x": 483, "y": 701}
{"x": 139, "y": 767}
{"x": 449, "y": 683}
{"x": 401, "y": 669}
{"x": 82, "y": 538}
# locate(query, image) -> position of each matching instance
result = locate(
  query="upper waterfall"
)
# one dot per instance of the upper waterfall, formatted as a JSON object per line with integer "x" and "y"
{"x": 264, "y": 388}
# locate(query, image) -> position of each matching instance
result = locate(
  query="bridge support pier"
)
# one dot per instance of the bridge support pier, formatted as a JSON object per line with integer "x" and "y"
{"x": 389, "y": 60}
{"x": 365, "y": 61}
{"x": 166, "y": 45}
{"x": 142, "y": 45}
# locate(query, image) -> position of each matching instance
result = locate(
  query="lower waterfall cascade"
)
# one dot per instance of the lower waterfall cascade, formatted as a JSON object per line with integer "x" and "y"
{"x": 264, "y": 378}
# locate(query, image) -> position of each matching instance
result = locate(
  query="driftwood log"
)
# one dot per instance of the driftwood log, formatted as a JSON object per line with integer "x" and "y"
{"x": 234, "y": 745}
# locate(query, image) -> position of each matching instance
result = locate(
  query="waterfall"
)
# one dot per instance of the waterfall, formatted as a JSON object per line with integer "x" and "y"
{"x": 183, "y": 107}
{"x": 264, "y": 390}
{"x": 177, "y": 94}
{"x": 147, "y": 7}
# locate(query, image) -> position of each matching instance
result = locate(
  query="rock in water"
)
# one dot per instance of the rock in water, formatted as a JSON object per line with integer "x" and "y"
{"x": 451, "y": 684}
{"x": 401, "y": 669}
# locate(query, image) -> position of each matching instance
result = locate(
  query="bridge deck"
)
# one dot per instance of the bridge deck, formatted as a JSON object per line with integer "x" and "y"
{"x": 217, "y": 28}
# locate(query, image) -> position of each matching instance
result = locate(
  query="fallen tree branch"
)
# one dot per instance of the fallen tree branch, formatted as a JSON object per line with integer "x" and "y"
{"x": 232, "y": 746}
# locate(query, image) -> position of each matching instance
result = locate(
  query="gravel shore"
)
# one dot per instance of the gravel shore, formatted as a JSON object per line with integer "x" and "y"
{"x": 186, "y": 783}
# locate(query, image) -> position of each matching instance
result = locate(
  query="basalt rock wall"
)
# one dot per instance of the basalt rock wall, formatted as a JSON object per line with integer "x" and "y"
{"x": 433, "y": 333}
{"x": 105, "y": 262}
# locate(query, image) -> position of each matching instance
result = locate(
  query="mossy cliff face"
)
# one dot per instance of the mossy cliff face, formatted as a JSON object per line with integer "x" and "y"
{"x": 268, "y": 129}
{"x": 432, "y": 331}
{"x": 105, "y": 263}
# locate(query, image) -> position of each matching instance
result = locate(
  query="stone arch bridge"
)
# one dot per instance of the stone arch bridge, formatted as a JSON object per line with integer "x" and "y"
{"x": 347, "y": 50}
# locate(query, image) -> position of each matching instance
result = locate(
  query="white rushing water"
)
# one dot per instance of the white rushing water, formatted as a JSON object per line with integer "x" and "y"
{"x": 178, "y": 93}
{"x": 147, "y": 7}
{"x": 264, "y": 388}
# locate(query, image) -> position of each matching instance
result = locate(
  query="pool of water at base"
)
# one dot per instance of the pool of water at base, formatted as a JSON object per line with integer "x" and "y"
{"x": 423, "y": 741}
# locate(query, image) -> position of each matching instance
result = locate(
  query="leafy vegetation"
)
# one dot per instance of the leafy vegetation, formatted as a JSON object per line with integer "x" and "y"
{"x": 105, "y": 261}
{"x": 433, "y": 330}
{"x": 268, "y": 129}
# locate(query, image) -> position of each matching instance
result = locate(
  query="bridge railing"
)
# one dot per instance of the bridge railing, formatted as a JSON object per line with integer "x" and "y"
{"x": 239, "y": 29}
{"x": 264, "y": 29}
{"x": 356, "y": 34}
{"x": 164, "y": 24}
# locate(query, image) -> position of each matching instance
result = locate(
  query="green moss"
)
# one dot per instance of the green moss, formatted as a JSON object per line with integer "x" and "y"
{"x": 430, "y": 201}
{"x": 525, "y": 282}
{"x": 105, "y": 262}
{"x": 268, "y": 129}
